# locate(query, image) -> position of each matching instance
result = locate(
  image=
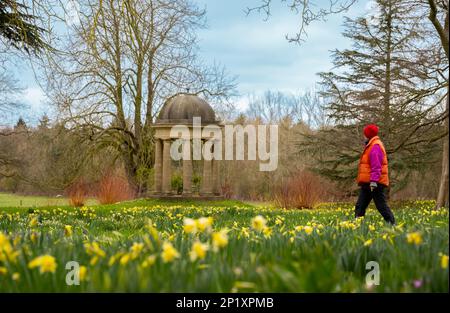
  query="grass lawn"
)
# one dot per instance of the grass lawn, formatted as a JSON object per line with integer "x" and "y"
{"x": 222, "y": 246}
{"x": 16, "y": 200}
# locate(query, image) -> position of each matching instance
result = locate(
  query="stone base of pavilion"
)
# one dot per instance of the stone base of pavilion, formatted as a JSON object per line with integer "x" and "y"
{"x": 186, "y": 197}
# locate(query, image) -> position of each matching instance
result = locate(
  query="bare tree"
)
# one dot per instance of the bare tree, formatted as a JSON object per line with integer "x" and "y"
{"x": 276, "y": 106}
{"x": 119, "y": 64}
{"x": 9, "y": 91}
{"x": 272, "y": 107}
{"x": 309, "y": 108}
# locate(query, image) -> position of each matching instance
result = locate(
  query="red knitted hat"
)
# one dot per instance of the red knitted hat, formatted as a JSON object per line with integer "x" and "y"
{"x": 371, "y": 130}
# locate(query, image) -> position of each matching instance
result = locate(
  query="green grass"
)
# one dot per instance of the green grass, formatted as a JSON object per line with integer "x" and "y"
{"x": 328, "y": 255}
{"x": 21, "y": 201}
{"x": 30, "y": 203}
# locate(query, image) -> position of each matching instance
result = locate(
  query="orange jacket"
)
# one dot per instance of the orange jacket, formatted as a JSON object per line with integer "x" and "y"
{"x": 364, "y": 164}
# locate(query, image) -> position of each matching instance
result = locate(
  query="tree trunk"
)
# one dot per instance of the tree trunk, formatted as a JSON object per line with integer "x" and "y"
{"x": 442, "y": 198}
{"x": 442, "y": 31}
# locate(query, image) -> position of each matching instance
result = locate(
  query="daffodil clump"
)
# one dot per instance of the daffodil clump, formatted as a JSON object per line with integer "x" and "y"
{"x": 45, "y": 263}
{"x": 217, "y": 248}
{"x": 93, "y": 249}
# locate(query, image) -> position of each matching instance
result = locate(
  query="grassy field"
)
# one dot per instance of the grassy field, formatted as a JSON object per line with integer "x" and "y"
{"x": 227, "y": 246}
{"x": 16, "y": 200}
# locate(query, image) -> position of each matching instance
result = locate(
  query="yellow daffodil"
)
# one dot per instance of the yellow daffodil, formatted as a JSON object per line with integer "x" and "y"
{"x": 149, "y": 261}
{"x": 348, "y": 225}
{"x": 3, "y": 270}
{"x": 136, "y": 249}
{"x": 414, "y": 238}
{"x": 46, "y": 263}
{"x": 94, "y": 250}
{"x": 125, "y": 259}
{"x": 298, "y": 228}
{"x": 7, "y": 252}
{"x": 444, "y": 261}
{"x": 114, "y": 258}
{"x": 259, "y": 223}
{"x": 244, "y": 232}
{"x": 15, "y": 276}
{"x": 189, "y": 226}
{"x": 33, "y": 222}
{"x": 198, "y": 251}
{"x": 152, "y": 230}
{"x": 308, "y": 230}
{"x": 33, "y": 237}
{"x": 368, "y": 243}
{"x": 267, "y": 231}
{"x": 219, "y": 239}
{"x": 204, "y": 223}
{"x": 169, "y": 253}
{"x": 68, "y": 231}
{"x": 82, "y": 273}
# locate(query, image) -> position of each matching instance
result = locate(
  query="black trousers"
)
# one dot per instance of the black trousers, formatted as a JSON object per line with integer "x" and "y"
{"x": 379, "y": 197}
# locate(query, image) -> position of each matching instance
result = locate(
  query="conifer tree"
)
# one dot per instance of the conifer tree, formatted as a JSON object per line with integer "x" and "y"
{"x": 18, "y": 26}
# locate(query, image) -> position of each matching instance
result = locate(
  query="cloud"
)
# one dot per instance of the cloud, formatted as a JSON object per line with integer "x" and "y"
{"x": 34, "y": 97}
{"x": 242, "y": 103}
{"x": 257, "y": 51}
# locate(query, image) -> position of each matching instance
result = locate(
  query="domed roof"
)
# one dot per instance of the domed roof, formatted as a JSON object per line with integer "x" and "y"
{"x": 183, "y": 108}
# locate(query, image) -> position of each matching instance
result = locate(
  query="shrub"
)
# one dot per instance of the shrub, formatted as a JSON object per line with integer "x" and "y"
{"x": 196, "y": 183}
{"x": 77, "y": 193}
{"x": 227, "y": 189}
{"x": 177, "y": 183}
{"x": 302, "y": 190}
{"x": 114, "y": 188}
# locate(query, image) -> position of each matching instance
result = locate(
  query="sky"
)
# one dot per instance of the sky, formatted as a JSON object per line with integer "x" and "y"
{"x": 250, "y": 48}
{"x": 257, "y": 51}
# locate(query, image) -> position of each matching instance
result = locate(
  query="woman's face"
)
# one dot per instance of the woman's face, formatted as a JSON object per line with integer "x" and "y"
{"x": 366, "y": 140}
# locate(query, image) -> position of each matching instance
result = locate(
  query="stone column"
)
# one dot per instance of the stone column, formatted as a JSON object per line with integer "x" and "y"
{"x": 167, "y": 168}
{"x": 215, "y": 173}
{"x": 215, "y": 177}
{"x": 158, "y": 167}
{"x": 187, "y": 169}
{"x": 206, "y": 180}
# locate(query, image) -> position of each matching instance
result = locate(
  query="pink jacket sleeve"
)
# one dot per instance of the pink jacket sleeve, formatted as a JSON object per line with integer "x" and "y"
{"x": 376, "y": 159}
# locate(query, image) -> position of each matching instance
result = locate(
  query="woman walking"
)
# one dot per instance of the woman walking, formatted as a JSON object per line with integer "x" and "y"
{"x": 373, "y": 176}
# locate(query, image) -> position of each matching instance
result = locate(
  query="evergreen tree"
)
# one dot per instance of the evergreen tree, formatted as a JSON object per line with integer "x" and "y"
{"x": 20, "y": 125}
{"x": 44, "y": 122}
{"x": 19, "y": 27}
